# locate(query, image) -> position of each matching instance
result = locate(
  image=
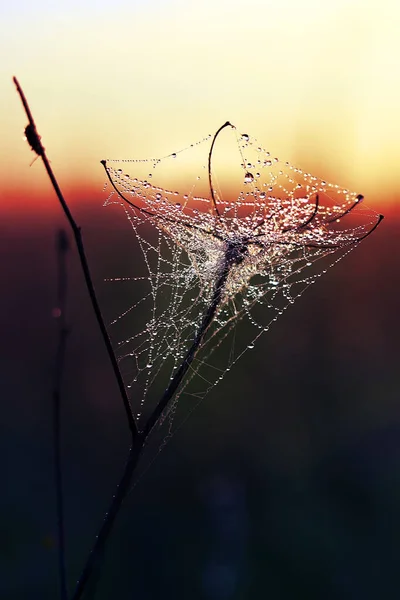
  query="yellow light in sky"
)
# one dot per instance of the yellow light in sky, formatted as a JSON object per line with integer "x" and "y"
{"x": 316, "y": 82}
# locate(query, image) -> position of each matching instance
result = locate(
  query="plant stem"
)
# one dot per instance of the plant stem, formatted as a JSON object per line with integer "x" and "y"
{"x": 97, "y": 552}
{"x": 62, "y": 249}
{"x": 181, "y": 372}
{"x": 36, "y": 145}
{"x": 124, "y": 486}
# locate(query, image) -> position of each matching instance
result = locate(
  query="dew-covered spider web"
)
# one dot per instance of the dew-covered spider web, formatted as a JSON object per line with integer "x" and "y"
{"x": 221, "y": 228}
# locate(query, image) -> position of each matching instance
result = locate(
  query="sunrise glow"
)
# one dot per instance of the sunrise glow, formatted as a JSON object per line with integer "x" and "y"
{"x": 317, "y": 83}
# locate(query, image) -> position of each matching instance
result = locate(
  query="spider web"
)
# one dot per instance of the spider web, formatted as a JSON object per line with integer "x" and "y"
{"x": 261, "y": 237}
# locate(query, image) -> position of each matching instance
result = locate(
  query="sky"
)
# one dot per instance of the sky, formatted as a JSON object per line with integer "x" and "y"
{"x": 317, "y": 83}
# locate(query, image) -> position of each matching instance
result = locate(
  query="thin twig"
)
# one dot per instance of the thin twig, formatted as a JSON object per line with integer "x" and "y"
{"x": 187, "y": 361}
{"x": 60, "y": 315}
{"x": 227, "y": 124}
{"x": 97, "y": 553}
{"x": 36, "y": 145}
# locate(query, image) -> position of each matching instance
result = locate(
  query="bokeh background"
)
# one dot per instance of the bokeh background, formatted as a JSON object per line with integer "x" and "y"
{"x": 285, "y": 483}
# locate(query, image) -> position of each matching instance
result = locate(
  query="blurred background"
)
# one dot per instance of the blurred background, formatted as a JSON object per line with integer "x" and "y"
{"x": 286, "y": 481}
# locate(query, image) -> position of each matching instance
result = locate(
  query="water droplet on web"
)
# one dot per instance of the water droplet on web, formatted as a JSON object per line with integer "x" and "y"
{"x": 173, "y": 155}
{"x": 262, "y": 195}
{"x": 248, "y": 178}
{"x": 245, "y": 137}
{"x": 250, "y": 346}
